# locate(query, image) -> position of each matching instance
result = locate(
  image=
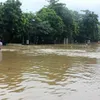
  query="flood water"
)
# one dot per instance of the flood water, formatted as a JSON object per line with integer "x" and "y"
{"x": 50, "y": 72}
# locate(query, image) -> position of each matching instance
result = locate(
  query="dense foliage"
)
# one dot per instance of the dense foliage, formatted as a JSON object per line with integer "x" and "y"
{"x": 52, "y": 24}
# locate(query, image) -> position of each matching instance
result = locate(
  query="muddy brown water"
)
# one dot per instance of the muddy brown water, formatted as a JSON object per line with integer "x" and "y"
{"x": 50, "y": 72}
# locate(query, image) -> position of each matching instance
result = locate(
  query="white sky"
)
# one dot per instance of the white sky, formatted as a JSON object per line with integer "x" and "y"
{"x": 35, "y": 5}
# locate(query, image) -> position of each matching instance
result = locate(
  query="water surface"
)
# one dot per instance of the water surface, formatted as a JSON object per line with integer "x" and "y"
{"x": 50, "y": 72}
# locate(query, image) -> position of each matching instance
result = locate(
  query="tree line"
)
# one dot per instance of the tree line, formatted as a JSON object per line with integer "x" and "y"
{"x": 51, "y": 24}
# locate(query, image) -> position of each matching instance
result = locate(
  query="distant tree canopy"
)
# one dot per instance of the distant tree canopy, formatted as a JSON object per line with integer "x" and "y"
{"x": 51, "y": 24}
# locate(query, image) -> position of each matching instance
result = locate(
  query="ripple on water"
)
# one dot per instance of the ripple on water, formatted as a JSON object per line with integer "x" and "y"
{"x": 50, "y": 77}
{"x": 11, "y": 50}
{"x": 73, "y": 53}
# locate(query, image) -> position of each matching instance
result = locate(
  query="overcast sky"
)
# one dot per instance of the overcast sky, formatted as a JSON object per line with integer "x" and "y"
{"x": 35, "y": 5}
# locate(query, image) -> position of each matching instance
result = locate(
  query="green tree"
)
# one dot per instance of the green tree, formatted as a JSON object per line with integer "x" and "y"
{"x": 89, "y": 25}
{"x": 27, "y": 21}
{"x": 64, "y": 13}
{"x": 51, "y": 2}
{"x": 49, "y": 25}
{"x": 11, "y": 18}
{"x": 1, "y": 19}
{"x": 56, "y": 23}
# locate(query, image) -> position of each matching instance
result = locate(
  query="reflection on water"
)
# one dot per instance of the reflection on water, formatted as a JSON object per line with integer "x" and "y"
{"x": 52, "y": 72}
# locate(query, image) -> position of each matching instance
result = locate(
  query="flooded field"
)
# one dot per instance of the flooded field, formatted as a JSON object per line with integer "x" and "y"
{"x": 50, "y": 72}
